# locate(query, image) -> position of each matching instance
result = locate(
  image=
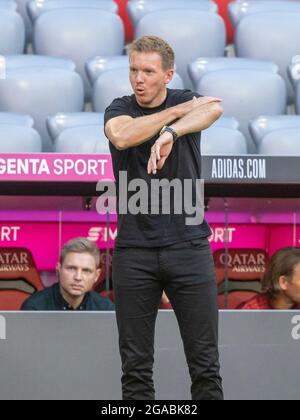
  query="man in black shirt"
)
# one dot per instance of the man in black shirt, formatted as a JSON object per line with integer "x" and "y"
{"x": 155, "y": 135}
{"x": 78, "y": 273}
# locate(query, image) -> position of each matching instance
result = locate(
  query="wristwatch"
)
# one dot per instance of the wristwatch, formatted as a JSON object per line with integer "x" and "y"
{"x": 169, "y": 130}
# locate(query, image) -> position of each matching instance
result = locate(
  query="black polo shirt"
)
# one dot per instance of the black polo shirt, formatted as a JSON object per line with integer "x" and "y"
{"x": 50, "y": 299}
{"x": 184, "y": 163}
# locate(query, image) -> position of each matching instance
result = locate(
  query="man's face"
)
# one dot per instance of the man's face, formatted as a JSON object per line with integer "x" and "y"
{"x": 78, "y": 274}
{"x": 148, "y": 78}
{"x": 292, "y": 287}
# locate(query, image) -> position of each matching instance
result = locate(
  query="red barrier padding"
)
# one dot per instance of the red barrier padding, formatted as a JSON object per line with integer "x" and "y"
{"x": 129, "y": 31}
{"x": 223, "y": 6}
{"x": 19, "y": 277}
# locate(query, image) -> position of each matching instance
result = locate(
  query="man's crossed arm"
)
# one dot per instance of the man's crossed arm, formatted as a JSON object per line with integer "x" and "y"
{"x": 196, "y": 115}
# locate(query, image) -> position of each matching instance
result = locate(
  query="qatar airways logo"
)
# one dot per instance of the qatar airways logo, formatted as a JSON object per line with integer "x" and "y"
{"x": 244, "y": 262}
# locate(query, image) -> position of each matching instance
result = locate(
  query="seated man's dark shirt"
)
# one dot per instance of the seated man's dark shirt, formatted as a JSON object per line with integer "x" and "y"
{"x": 51, "y": 299}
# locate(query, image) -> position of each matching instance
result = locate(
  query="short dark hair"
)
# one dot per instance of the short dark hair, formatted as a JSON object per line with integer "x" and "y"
{"x": 282, "y": 263}
{"x": 80, "y": 246}
{"x": 150, "y": 44}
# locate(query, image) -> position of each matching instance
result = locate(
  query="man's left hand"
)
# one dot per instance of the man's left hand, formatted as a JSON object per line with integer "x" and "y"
{"x": 160, "y": 152}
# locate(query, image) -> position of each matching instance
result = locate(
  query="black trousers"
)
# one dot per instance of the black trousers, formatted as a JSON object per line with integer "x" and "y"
{"x": 186, "y": 272}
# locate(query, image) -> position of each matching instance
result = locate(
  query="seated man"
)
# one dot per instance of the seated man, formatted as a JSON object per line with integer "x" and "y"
{"x": 281, "y": 284}
{"x": 77, "y": 274}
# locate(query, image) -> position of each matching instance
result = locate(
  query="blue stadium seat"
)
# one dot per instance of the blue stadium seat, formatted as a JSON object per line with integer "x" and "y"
{"x": 41, "y": 92}
{"x": 192, "y": 34}
{"x": 264, "y": 125}
{"x": 79, "y": 34}
{"x": 13, "y": 62}
{"x": 176, "y": 82}
{"x": 272, "y": 36}
{"x": 294, "y": 75}
{"x": 223, "y": 141}
{"x": 7, "y": 5}
{"x": 9, "y": 118}
{"x": 227, "y": 122}
{"x": 83, "y": 139}
{"x": 12, "y": 32}
{"x": 98, "y": 65}
{"x": 35, "y": 7}
{"x": 246, "y": 95}
{"x": 19, "y": 139}
{"x": 108, "y": 86}
{"x": 203, "y": 65}
{"x": 115, "y": 83}
{"x": 137, "y": 9}
{"x": 62, "y": 121}
{"x": 284, "y": 142}
{"x": 238, "y": 10}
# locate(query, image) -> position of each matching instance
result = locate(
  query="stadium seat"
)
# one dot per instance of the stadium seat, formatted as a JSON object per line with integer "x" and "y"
{"x": 264, "y": 125}
{"x": 294, "y": 75}
{"x": 272, "y": 36}
{"x": 60, "y": 122}
{"x": 18, "y": 139}
{"x": 223, "y": 141}
{"x": 137, "y": 9}
{"x": 12, "y": 32}
{"x": 44, "y": 91}
{"x": 98, "y": 65}
{"x": 227, "y": 122}
{"x": 197, "y": 34}
{"x": 16, "y": 119}
{"x": 82, "y": 139}
{"x": 115, "y": 83}
{"x": 108, "y": 86}
{"x": 246, "y": 268}
{"x": 285, "y": 142}
{"x": 8, "y": 5}
{"x": 12, "y": 300}
{"x": 238, "y": 10}
{"x": 57, "y": 33}
{"x": 35, "y": 7}
{"x": 203, "y": 65}
{"x": 23, "y": 12}
{"x": 19, "y": 280}
{"x": 246, "y": 95}
{"x": 14, "y": 62}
